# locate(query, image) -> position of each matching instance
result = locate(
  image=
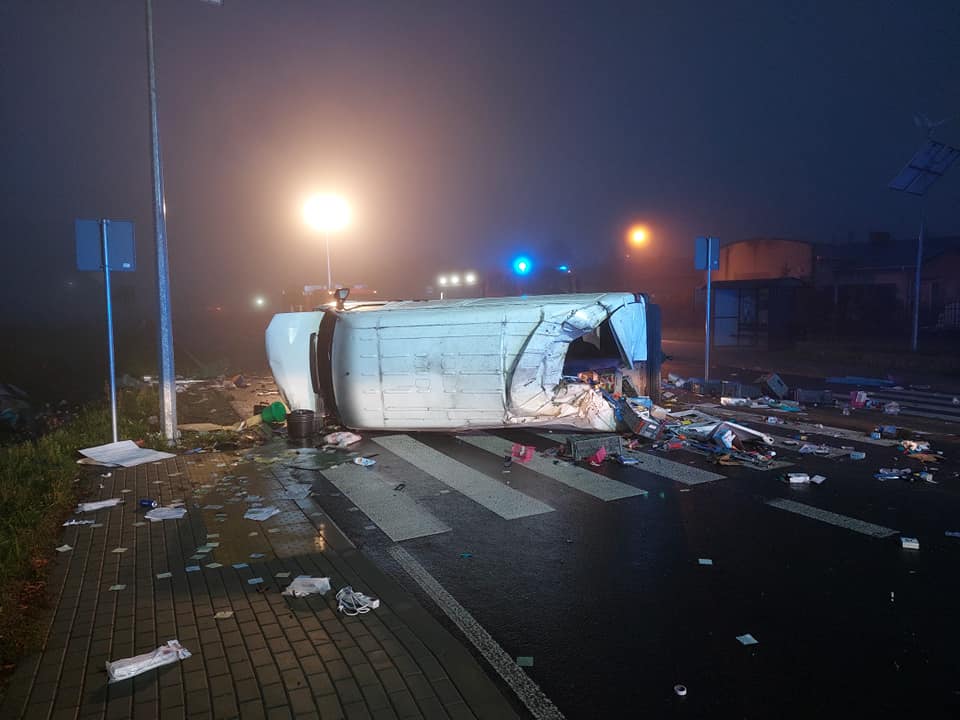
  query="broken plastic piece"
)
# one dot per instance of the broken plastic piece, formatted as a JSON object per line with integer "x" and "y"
{"x": 817, "y": 479}
{"x": 704, "y": 561}
{"x": 364, "y": 461}
{"x": 798, "y": 478}
{"x": 305, "y": 585}
{"x": 522, "y": 453}
{"x": 64, "y": 548}
{"x": 163, "y": 655}
{"x": 223, "y": 615}
{"x": 680, "y": 690}
{"x": 747, "y": 639}
{"x": 909, "y": 543}
{"x": 525, "y": 660}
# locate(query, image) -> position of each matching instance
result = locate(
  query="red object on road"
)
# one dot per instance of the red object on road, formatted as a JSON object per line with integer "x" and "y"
{"x": 522, "y": 453}
{"x": 598, "y": 457}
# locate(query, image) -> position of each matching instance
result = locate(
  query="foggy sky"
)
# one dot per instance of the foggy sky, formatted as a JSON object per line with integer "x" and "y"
{"x": 462, "y": 132}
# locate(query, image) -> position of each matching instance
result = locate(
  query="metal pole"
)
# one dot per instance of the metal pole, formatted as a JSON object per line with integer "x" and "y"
{"x": 916, "y": 280}
{"x": 706, "y": 356}
{"x": 168, "y": 380}
{"x": 326, "y": 237}
{"x": 105, "y": 254}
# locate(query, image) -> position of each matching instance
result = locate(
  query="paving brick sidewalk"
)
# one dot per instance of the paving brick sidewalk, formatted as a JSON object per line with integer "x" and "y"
{"x": 276, "y": 656}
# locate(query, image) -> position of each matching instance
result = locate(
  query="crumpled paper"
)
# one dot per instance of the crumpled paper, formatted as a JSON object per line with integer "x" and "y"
{"x": 305, "y": 585}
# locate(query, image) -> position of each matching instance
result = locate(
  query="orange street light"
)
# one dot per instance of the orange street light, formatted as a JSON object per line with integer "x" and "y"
{"x": 638, "y": 235}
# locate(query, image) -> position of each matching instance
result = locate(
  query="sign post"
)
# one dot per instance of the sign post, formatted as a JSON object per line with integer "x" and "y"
{"x": 707, "y": 257}
{"x": 100, "y": 243}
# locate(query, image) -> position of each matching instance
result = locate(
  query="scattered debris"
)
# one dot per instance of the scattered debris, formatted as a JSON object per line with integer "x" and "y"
{"x": 192, "y": 568}
{"x": 164, "y": 575}
{"x": 223, "y": 615}
{"x": 817, "y": 479}
{"x": 118, "y": 588}
{"x": 125, "y": 453}
{"x": 77, "y": 522}
{"x": 64, "y": 548}
{"x": 304, "y": 585}
{"x": 857, "y": 455}
{"x": 522, "y": 453}
{"x": 525, "y": 660}
{"x": 747, "y": 639}
{"x": 342, "y": 439}
{"x": 261, "y": 513}
{"x": 165, "y": 513}
{"x": 255, "y": 581}
{"x": 952, "y": 533}
{"x": 680, "y": 690}
{"x": 163, "y": 655}
{"x": 364, "y": 461}
{"x": 798, "y": 478}
{"x": 350, "y": 602}
{"x": 98, "y": 505}
{"x": 909, "y": 543}
{"x": 704, "y": 561}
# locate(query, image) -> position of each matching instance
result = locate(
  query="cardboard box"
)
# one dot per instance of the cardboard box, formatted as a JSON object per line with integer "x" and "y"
{"x": 772, "y": 383}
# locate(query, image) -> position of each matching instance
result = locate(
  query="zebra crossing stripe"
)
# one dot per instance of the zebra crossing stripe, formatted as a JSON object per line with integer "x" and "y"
{"x": 678, "y": 472}
{"x": 832, "y": 518}
{"x": 578, "y": 478}
{"x": 506, "y": 502}
{"x": 398, "y": 514}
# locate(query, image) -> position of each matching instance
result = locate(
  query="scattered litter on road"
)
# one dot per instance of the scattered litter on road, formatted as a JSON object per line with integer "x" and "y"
{"x": 165, "y": 513}
{"x": 817, "y": 479}
{"x": 255, "y": 581}
{"x": 164, "y": 575}
{"x": 304, "y": 585}
{"x": 118, "y": 588}
{"x": 909, "y": 543}
{"x": 798, "y": 478}
{"x": 261, "y": 513}
{"x": 77, "y": 522}
{"x": 192, "y": 568}
{"x": 257, "y": 556}
{"x": 364, "y": 461}
{"x": 522, "y": 453}
{"x": 240, "y": 566}
{"x": 342, "y": 439}
{"x": 525, "y": 660}
{"x": 952, "y": 533}
{"x": 858, "y": 455}
{"x": 598, "y": 457}
{"x": 98, "y": 505}
{"x": 705, "y": 561}
{"x": 466, "y": 555}
{"x": 399, "y": 487}
{"x": 282, "y": 575}
{"x": 163, "y": 655}
{"x": 119, "y": 550}
{"x": 214, "y": 565}
{"x": 747, "y": 639}
{"x": 64, "y": 548}
{"x": 680, "y": 690}
{"x": 223, "y": 615}
{"x": 350, "y": 602}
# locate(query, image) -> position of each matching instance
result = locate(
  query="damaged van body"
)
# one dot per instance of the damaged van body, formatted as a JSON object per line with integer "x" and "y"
{"x": 548, "y": 360}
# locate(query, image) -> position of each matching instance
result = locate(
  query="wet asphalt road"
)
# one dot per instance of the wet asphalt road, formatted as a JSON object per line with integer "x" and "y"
{"x": 610, "y": 601}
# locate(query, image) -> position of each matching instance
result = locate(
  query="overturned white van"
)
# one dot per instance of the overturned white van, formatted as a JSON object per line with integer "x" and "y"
{"x": 470, "y": 363}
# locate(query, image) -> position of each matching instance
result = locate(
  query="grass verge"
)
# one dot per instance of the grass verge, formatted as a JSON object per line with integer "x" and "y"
{"x": 40, "y": 484}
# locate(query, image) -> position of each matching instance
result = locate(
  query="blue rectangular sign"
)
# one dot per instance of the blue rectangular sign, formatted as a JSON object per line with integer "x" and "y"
{"x": 120, "y": 245}
{"x": 700, "y": 253}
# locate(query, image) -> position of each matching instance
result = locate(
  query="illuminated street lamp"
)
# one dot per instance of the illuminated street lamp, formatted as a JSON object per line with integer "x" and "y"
{"x": 638, "y": 236}
{"x": 327, "y": 214}
{"x": 455, "y": 280}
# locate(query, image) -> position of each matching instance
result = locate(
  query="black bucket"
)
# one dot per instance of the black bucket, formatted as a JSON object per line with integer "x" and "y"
{"x": 300, "y": 424}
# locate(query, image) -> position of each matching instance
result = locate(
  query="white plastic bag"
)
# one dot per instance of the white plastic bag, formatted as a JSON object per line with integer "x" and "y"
{"x": 163, "y": 655}
{"x": 342, "y": 439}
{"x": 305, "y": 585}
{"x": 98, "y": 505}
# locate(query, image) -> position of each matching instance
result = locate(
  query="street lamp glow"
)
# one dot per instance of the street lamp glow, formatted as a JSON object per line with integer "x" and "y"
{"x": 454, "y": 279}
{"x": 327, "y": 213}
{"x": 442, "y": 280}
{"x": 470, "y": 278}
{"x": 638, "y": 235}
{"x": 259, "y": 301}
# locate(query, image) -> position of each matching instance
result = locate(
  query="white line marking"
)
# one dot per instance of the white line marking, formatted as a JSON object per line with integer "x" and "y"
{"x": 539, "y": 705}
{"x": 675, "y": 471}
{"x": 573, "y": 476}
{"x": 506, "y": 502}
{"x": 849, "y": 523}
{"x": 397, "y": 514}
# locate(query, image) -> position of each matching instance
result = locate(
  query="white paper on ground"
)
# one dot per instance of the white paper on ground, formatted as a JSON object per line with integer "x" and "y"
{"x": 166, "y": 513}
{"x": 125, "y": 453}
{"x": 261, "y": 513}
{"x": 163, "y": 655}
{"x": 747, "y": 639}
{"x": 306, "y": 585}
{"x": 98, "y": 505}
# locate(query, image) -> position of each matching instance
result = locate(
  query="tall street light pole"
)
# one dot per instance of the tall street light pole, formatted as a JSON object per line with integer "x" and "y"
{"x": 327, "y": 214}
{"x": 168, "y": 381}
